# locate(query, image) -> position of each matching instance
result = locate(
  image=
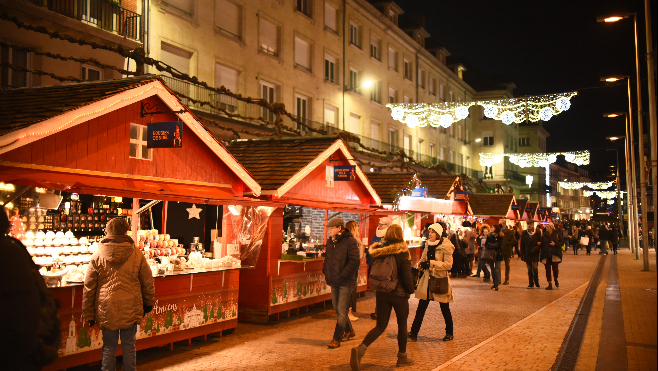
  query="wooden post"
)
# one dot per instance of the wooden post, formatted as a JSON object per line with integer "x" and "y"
{"x": 135, "y": 221}
{"x": 164, "y": 216}
{"x": 326, "y": 215}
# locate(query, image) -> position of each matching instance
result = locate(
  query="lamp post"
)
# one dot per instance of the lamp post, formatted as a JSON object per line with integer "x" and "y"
{"x": 643, "y": 184}
{"x": 617, "y": 180}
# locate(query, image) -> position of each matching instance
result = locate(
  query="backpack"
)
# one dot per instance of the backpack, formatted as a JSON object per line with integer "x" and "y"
{"x": 384, "y": 274}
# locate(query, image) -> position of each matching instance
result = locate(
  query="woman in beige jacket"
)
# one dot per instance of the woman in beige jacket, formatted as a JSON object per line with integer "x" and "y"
{"x": 118, "y": 292}
{"x": 437, "y": 262}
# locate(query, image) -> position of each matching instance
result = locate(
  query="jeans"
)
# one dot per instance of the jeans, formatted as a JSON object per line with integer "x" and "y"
{"x": 482, "y": 266}
{"x": 353, "y": 298}
{"x": 495, "y": 271}
{"x": 507, "y": 266}
{"x": 420, "y": 314}
{"x": 384, "y": 302}
{"x": 533, "y": 273}
{"x": 604, "y": 248}
{"x": 555, "y": 267}
{"x": 340, "y": 299}
{"x": 111, "y": 343}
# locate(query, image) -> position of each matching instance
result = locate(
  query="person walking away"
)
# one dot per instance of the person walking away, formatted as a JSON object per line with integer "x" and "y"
{"x": 575, "y": 239}
{"x": 425, "y": 234}
{"x": 509, "y": 241}
{"x": 354, "y": 229}
{"x": 493, "y": 243}
{"x": 565, "y": 236}
{"x": 380, "y": 232}
{"x": 482, "y": 265}
{"x": 604, "y": 236}
{"x": 530, "y": 248}
{"x": 551, "y": 254}
{"x": 470, "y": 238}
{"x": 340, "y": 264}
{"x": 589, "y": 235}
{"x": 29, "y": 330}
{"x": 614, "y": 239}
{"x": 118, "y": 292}
{"x": 393, "y": 284}
{"x": 435, "y": 262}
{"x": 595, "y": 234}
{"x": 456, "y": 270}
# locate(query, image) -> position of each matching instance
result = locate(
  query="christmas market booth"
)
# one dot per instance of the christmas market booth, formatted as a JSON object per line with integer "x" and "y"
{"x": 313, "y": 179}
{"x": 530, "y": 212}
{"x": 493, "y": 207}
{"x": 412, "y": 200}
{"x": 74, "y": 156}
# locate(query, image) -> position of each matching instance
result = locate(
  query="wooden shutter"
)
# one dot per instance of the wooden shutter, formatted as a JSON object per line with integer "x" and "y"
{"x": 228, "y": 16}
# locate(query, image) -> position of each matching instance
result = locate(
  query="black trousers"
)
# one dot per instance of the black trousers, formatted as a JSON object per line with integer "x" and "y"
{"x": 385, "y": 302}
{"x": 420, "y": 314}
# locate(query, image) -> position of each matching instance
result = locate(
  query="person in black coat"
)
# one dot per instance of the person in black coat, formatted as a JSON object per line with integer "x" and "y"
{"x": 530, "y": 249}
{"x": 340, "y": 268}
{"x": 614, "y": 239}
{"x": 551, "y": 254}
{"x": 392, "y": 245}
{"x": 494, "y": 242}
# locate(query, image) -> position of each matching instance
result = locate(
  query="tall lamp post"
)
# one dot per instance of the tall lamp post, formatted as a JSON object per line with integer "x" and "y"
{"x": 617, "y": 181}
{"x": 643, "y": 184}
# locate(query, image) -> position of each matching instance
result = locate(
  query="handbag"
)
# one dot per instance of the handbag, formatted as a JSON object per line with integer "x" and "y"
{"x": 584, "y": 240}
{"x": 489, "y": 254}
{"x": 439, "y": 286}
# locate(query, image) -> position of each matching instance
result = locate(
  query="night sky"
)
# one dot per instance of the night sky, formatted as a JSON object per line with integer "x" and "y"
{"x": 548, "y": 47}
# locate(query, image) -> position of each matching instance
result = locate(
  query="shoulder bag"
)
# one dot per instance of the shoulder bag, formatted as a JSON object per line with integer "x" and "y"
{"x": 439, "y": 286}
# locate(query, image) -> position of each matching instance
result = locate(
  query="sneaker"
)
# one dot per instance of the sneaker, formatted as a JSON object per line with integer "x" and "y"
{"x": 412, "y": 336}
{"x": 448, "y": 338}
{"x": 404, "y": 360}
{"x": 351, "y": 316}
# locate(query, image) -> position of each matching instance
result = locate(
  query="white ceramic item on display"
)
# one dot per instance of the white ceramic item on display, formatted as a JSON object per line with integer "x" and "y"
{"x": 28, "y": 242}
{"x": 73, "y": 241}
{"x": 75, "y": 249}
{"x": 50, "y": 234}
{"x": 84, "y": 240}
{"x": 41, "y": 235}
{"x": 68, "y": 234}
{"x": 29, "y": 235}
{"x": 38, "y": 242}
{"x": 59, "y": 234}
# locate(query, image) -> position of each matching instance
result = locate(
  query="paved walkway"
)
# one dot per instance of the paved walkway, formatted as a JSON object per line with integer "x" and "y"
{"x": 512, "y": 329}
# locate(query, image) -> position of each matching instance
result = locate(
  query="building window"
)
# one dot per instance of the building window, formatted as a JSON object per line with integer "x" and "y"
{"x": 228, "y": 78}
{"x": 374, "y": 131}
{"x": 330, "y": 115}
{"x": 304, "y": 7}
{"x": 268, "y": 37}
{"x": 392, "y": 95}
{"x": 90, "y": 73}
{"x": 302, "y": 109}
{"x": 11, "y": 78}
{"x": 452, "y": 131}
{"x": 441, "y": 153}
{"x": 330, "y": 69}
{"x": 374, "y": 47}
{"x": 524, "y": 142}
{"x": 432, "y": 150}
{"x": 268, "y": 93}
{"x": 487, "y": 138}
{"x": 355, "y": 123}
{"x": 407, "y": 69}
{"x": 376, "y": 92}
{"x": 302, "y": 54}
{"x": 228, "y": 18}
{"x": 407, "y": 144}
{"x": 393, "y": 139}
{"x": 451, "y": 157}
{"x": 186, "y": 6}
{"x": 441, "y": 92}
{"x": 421, "y": 78}
{"x": 392, "y": 59}
{"x": 354, "y": 35}
{"x": 468, "y": 137}
{"x": 450, "y": 97}
{"x": 459, "y": 132}
{"x": 460, "y": 162}
{"x": 432, "y": 86}
{"x": 138, "y": 148}
{"x": 468, "y": 162}
{"x": 407, "y": 99}
{"x": 354, "y": 80}
{"x": 330, "y": 17}
{"x": 175, "y": 57}
{"x": 419, "y": 149}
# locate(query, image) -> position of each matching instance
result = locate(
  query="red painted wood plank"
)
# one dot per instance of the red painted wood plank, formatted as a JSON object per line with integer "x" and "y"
{"x": 123, "y": 136}
{"x": 37, "y": 152}
{"x": 112, "y": 148}
{"x": 25, "y": 154}
{"x": 12, "y": 155}
{"x": 82, "y": 133}
{"x": 92, "y": 145}
{"x": 71, "y": 149}
{"x": 101, "y": 146}
{"x": 60, "y": 149}
{"x": 49, "y": 149}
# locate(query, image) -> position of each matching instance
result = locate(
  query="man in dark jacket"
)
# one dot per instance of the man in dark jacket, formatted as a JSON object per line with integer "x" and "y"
{"x": 614, "y": 239}
{"x": 604, "y": 237}
{"x": 551, "y": 253}
{"x": 509, "y": 241}
{"x": 340, "y": 264}
{"x": 380, "y": 232}
{"x": 530, "y": 248}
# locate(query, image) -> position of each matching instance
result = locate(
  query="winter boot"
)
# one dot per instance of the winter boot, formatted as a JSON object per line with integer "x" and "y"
{"x": 550, "y": 286}
{"x": 404, "y": 360}
{"x": 537, "y": 284}
{"x": 356, "y": 355}
{"x": 557, "y": 284}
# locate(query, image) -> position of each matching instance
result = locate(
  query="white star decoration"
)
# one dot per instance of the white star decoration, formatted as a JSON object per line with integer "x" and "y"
{"x": 194, "y": 212}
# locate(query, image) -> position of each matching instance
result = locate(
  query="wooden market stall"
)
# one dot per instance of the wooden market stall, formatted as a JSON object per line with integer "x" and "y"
{"x": 492, "y": 206}
{"x": 90, "y": 138}
{"x": 297, "y": 171}
{"x": 530, "y": 211}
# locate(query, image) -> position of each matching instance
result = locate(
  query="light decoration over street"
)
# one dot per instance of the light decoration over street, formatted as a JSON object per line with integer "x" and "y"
{"x": 592, "y": 185}
{"x": 611, "y": 202}
{"x": 601, "y": 194}
{"x": 533, "y": 109}
{"x": 433, "y": 114}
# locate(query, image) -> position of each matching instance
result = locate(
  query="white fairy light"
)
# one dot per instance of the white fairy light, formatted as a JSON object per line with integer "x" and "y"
{"x": 533, "y": 108}
{"x": 445, "y": 121}
{"x": 490, "y": 111}
{"x": 507, "y": 117}
{"x": 545, "y": 114}
{"x": 430, "y": 113}
{"x": 600, "y": 185}
{"x": 563, "y": 104}
{"x": 461, "y": 113}
{"x": 412, "y": 121}
{"x": 397, "y": 113}
{"x": 571, "y": 185}
{"x": 611, "y": 202}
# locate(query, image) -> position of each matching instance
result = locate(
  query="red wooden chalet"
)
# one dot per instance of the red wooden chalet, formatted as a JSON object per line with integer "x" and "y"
{"x": 491, "y": 206}
{"x": 297, "y": 171}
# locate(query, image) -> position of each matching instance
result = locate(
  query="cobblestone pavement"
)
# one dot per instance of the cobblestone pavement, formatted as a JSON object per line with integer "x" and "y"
{"x": 299, "y": 343}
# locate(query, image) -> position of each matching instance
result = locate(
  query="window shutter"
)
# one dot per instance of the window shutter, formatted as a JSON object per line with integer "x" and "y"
{"x": 330, "y": 16}
{"x": 269, "y": 35}
{"x": 302, "y": 53}
{"x": 354, "y": 123}
{"x": 175, "y": 57}
{"x": 391, "y": 58}
{"x": 227, "y": 16}
{"x": 185, "y": 5}
{"x": 227, "y": 77}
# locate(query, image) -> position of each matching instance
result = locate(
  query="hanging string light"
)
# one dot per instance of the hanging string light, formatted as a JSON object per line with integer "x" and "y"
{"x": 534, "y": 108}
{"x": 534, "y": 159}
{"x": 600, "y": 185}
{"x": 592, "y": 185}
{"x": 433, "y": 114}
{"x": 571, "y": 185}
{"x": 611, "y": 202}
{"x": 601, "y": 194}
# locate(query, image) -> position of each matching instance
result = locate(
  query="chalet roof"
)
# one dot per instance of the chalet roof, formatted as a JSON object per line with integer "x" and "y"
{"x": 490, "y": 204}
{"x": 521, "y": 202}
{"x": 387, "y": 184}
{"x": 21, "y": 108}
{"x": 439, "y": 185}
{"x": 533, "y": 206}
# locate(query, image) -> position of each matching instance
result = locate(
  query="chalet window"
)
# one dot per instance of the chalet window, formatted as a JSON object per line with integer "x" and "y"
{"x": 138, "y": 149}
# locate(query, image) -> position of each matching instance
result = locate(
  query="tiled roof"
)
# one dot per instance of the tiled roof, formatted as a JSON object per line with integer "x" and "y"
{"x": 438, "y": 185}
{"x": 273, "y": 161}
{"x": 387, "y": 184}
{"x": 490, "y": 204}
{"x": 20, "y": 108}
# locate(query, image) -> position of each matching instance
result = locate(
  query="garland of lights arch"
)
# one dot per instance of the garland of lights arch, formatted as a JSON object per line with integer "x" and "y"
{"x": 601, "y": 194}
{"x": 534, "y": 159}
{"x": 514, "y": 110}
{"x": 592, "y": 185}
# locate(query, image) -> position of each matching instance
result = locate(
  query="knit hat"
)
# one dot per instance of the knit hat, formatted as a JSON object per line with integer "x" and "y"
{"x": 117, "y": 227}
{"x": 336, "y": 222}
{"x": 437, "y": 228}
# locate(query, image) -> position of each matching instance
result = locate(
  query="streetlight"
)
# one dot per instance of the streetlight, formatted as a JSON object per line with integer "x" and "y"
{"x": 617, "y": 181}
{"x": 652, "y": 113}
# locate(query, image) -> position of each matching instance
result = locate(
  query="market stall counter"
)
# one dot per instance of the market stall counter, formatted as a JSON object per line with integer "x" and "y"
{"x": 299, "y": 171}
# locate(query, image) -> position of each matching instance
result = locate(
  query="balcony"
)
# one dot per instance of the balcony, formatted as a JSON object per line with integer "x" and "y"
{"x": 104, "y": 14}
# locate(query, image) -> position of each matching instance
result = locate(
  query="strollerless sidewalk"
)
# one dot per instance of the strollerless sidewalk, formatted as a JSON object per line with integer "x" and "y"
{"x": 513, "y": 329}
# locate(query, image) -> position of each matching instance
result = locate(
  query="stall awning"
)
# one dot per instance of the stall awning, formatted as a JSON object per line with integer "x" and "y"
{"x": 426, "y": 205}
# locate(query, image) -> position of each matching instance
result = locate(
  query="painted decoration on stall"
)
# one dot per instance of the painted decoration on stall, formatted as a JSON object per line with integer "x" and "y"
{"x": 419, "y": 192}
{"x": 528, "y": 210}
{"x": 194, "y": 212}
{"x": 515, "y": 207}
{"x": 461, "y": 196}
{"x": 304, "y": 285}
{"x": 165, "y": 135}
{"x": 168, "y": 315}
{"x": 344, "y": 173}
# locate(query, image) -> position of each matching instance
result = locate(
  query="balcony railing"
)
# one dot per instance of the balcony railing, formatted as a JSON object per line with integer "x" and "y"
{"x": 103, "y": 14}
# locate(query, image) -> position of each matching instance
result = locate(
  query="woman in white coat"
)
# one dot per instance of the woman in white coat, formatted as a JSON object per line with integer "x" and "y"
{"x": 437, "y": 262}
